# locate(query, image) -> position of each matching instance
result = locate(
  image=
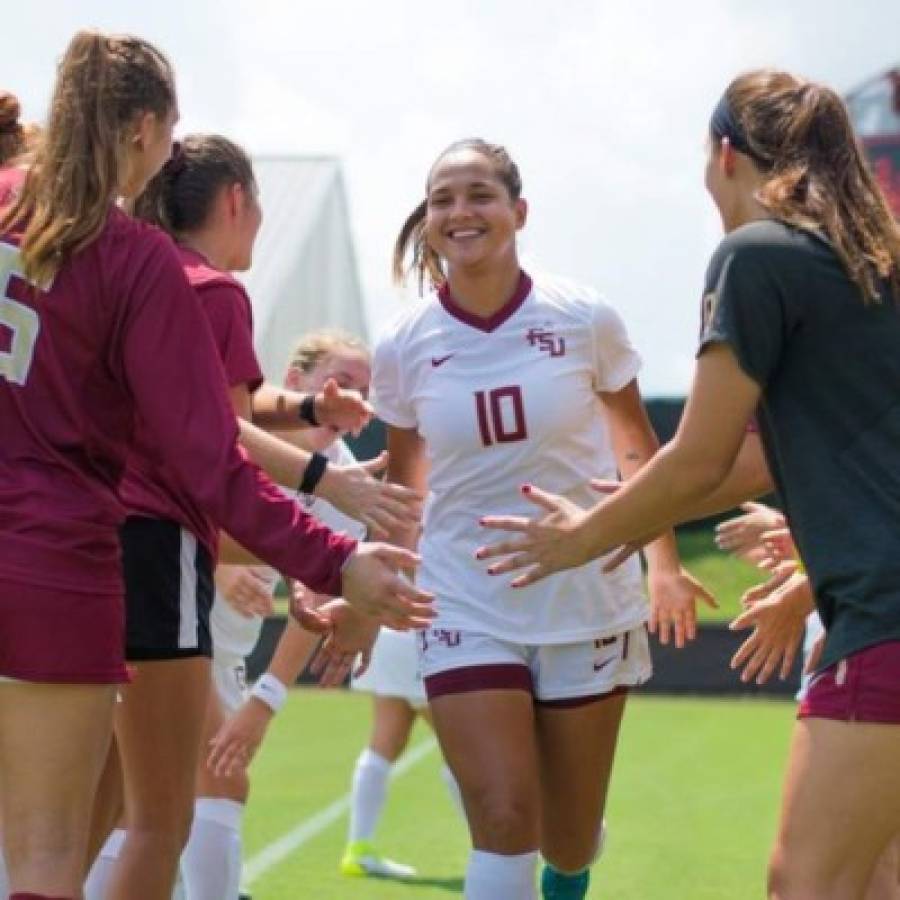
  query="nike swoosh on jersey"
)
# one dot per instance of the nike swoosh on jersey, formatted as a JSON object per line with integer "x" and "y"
{"x": 440, "y": 360}
{"x": 599, "y": 667}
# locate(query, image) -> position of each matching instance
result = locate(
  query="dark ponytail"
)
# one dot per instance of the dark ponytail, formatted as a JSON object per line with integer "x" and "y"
{"x": 179, "y": 199}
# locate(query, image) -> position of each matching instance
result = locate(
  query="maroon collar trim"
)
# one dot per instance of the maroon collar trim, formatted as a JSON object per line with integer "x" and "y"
{"x": 492, "y": 322}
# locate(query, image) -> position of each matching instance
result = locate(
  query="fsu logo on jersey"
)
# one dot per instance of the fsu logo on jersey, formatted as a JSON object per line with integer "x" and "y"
{"x": 546, "y": 341}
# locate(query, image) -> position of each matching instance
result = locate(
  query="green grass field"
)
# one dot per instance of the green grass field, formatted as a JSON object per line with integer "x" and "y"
{"x": 691, "y": 811}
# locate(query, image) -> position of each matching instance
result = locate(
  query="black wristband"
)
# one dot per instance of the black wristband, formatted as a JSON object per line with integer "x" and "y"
{"x": 313, "y": 473}
{"x": 308, "y": 410}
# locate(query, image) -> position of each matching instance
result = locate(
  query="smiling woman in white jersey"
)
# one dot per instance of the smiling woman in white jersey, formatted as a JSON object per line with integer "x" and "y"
{"x": 494, "y": 380}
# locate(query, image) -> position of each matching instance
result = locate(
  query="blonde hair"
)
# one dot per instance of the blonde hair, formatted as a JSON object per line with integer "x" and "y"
{"x": 313, "y": 347}
{"x": 103, "y": 84}
{"x": 816, "y": 173}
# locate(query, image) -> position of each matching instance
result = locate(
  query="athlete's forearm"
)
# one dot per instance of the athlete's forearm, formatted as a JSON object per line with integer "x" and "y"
{"x": 635, "y": 443}
{"x": 748, "y": 479}
{"x": 233, "y": 554}
{"x": 283, "y": 462}
{"x": 663, "y": 493}
{"x": 292, "y": 653}
{"x": 276, "y": 407}
{"x": 406, "y": 466}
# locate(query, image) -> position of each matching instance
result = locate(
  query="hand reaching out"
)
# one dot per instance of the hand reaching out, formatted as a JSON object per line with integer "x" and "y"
{"x": 673, "y": 605}
{"x": 776, "y": 611}
{"x": 381, "y": 506}
{"x": 248, "y": 589}
{"x": 743, "y": 534}
{"x": 350, "y": 635}
{"x": 341, "y": 409}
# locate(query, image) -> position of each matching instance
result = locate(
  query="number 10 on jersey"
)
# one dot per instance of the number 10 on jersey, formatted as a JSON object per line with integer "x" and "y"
{"x": 501, "y": 415}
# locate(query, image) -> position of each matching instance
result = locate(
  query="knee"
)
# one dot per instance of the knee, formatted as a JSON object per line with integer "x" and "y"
{"x": 503, "y": 822}
{"x": 571, "y": 850}
{"x": 166, "y": 833}
{"x": 570, "y": 856}
{"x": 230, "y": 787}
{"x": 389, "y": 743}
{"x": 48, "y": 843}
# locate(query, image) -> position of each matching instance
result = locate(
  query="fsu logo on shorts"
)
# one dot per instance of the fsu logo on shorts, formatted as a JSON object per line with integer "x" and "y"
{"x": 448, "y": 637}
{"x": 546, "y": 341}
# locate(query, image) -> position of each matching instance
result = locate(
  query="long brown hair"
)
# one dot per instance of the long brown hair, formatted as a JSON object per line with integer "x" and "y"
{"x": 816, "y": 173}
{"x": 179, "y": 198}
{"x": 103, "y": 84}
{"x": 425, "y": 262}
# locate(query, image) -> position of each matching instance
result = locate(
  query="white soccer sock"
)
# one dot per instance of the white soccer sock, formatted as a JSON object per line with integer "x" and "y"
{"x": 490, "y": 875}
{"x": 453, "y": 790}
{"x": 4, "y": 878}
{"x": 211, "y": 862}
{"x": 370, "y": 780}
{"x": 101, "y": 872}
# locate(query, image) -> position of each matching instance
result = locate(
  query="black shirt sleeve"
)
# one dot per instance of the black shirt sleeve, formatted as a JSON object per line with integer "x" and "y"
{"x": 744, "y": 307}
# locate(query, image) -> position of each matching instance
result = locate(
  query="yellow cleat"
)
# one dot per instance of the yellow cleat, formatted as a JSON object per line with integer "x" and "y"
{"x": 361, "y": 860}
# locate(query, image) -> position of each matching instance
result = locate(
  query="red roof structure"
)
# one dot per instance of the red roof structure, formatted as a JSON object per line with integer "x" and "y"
{"x": 875, "y": 109}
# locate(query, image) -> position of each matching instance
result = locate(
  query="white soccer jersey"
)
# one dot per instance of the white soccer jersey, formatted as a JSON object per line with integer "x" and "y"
{"x": 234, "y": 635}
{"x": 499, "y": 403}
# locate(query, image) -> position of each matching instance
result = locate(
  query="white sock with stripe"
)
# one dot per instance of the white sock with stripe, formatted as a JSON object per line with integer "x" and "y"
{"x": 370, "y": 781}
{"x": 101, "y": 872}
{"x": 211, "y": 862}
{"x": 490, "y": 876}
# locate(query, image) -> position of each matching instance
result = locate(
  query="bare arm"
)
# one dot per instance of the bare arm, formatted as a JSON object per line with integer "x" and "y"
{"x": 292, "y": 653}
{"x": 345, "y": 410}
{"x": 407, "y": 466}
{"x": 673, "y": 591}
{"x": 749, "y": 478}
{"x": 669, "y": 489}
{"x": 683, "y": 475}
{"x": 634, "y": 444}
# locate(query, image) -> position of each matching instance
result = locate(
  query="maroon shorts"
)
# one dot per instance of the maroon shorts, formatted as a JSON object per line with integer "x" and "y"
{"x": 47, "y": 634}
{"x": 864, "y": 687}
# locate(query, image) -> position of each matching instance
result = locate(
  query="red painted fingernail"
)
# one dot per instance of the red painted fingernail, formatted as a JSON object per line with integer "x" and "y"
{"x": 479, "y": 554}
{"x": 526, "y": 488}
{"x": 491, "y": 571}
{"x": 481, "y": 521}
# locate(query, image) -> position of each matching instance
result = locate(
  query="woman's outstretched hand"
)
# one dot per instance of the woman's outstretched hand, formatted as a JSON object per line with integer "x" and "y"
{"x": 547, "y": 543}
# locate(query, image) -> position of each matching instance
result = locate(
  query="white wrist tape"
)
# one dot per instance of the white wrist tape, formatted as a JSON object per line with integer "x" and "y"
{"x": 270, "y": 691}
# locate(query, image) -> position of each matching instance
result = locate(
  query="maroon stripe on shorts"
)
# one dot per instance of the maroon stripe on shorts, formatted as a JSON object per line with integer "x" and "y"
{"x": 493, "y": 677}
{"x": 573, "y": 702}
{"x": 863, "y": 687}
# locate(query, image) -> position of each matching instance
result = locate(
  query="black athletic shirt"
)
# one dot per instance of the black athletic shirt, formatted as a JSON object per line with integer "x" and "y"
{"x": 829, "y": 368}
